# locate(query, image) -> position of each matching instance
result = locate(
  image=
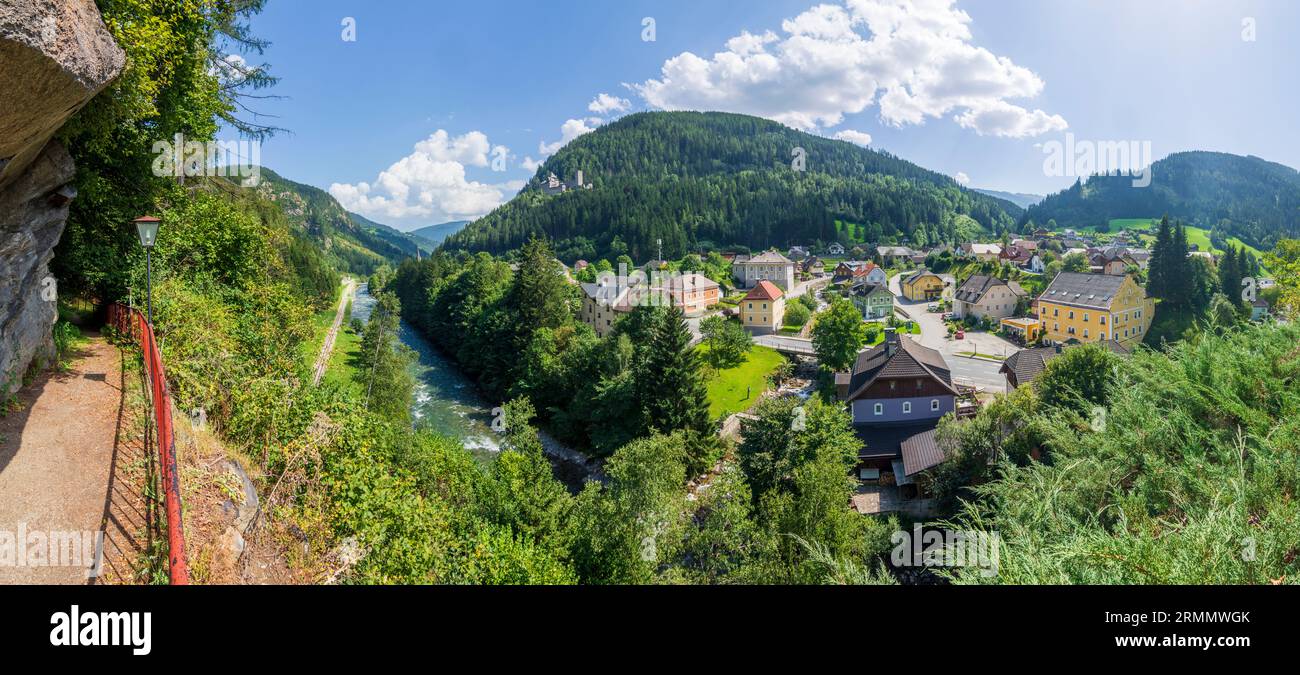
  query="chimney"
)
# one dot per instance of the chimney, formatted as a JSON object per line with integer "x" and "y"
{"x": 891, "y": 341}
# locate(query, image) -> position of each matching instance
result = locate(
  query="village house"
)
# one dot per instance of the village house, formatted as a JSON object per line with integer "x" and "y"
{"x": 602, "y": 304}
{"x": 693, "y": 293}
{"x": 891, "y": 254}
{"x": 923, "y": 286}
{"x": 1114, "y": 260}
{"x": 813, "y": 266}
{"x": 1026, "y": 365}
{"x": 981, "y": 252}
{"x": 1259, "y": 310}
{"x": 767, "y": 266}
{"x": 897, "y": 391}
{"x": 762, "y": 310}
{"x": 1095, "y": 308}
{"x": 1022, "y": 257}
{"x": 875, "y": 301}
{"x": 856, "y": 270}
{"x": 987, "y": 296}
{"x": 835, "y": 249}
{"x": 797, "y": 253}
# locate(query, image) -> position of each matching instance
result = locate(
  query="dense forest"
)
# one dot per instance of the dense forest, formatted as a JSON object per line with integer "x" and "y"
{"x": 1247, "y": 197}
{"x": 695, "y": 180}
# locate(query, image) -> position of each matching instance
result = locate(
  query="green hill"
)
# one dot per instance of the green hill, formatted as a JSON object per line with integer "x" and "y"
{"x": 351, "y": 242}
{"x": 1230, "y": 196}
{"x": 697, "y": 179}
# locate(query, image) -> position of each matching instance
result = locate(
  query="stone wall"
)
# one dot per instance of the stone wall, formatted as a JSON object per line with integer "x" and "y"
{"x": 55, "y": 55}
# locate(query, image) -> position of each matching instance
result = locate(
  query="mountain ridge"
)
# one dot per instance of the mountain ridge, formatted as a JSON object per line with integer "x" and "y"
{"x": 1235, "y": 195}
{"x": 693, "y": 179}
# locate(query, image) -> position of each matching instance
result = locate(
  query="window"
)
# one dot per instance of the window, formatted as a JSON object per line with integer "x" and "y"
{"x": 1085, "y": 332}
{"x": 751, "y": 305}
{"x": 934, "y": 405}
{"x": 907, "y": 407}
{"x": 1085, "y": 317}
{"x": 1071, "y": 314}
{"x": 880, "y": 409}
{"x": 1103, "y": 319}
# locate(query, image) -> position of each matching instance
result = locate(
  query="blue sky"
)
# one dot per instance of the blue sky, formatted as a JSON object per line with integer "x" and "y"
{"x": 971, "y": 88}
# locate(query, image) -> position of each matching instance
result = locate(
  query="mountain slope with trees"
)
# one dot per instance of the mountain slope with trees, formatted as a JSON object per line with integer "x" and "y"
{"x": 1247, "y": 197}
{"x": 353, "y": 242}
{"x": 698, "y": 179}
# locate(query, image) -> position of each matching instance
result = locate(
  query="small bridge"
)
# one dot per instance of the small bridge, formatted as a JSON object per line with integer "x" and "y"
{"x": 790, "y": 346}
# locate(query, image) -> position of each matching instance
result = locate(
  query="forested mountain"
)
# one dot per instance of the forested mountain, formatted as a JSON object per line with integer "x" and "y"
{"x": 693, "y": 179}
{"x": 351, "y": 241}
{"x": 1022, "y": 199}
{"x": 1247, "y": 197}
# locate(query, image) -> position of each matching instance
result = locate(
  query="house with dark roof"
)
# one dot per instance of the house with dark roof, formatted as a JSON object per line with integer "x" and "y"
{"x": 987, "y": 296}
{"x": 875, "y": 301}
{"x": 896, "y": 390}
{"x": 768, "y": 265}
{"x": 1095, "y": 308}
{"x": 1026, "y": 365}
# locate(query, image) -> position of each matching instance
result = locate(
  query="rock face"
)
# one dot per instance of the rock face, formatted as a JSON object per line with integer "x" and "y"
{"x": 55, "y": 55}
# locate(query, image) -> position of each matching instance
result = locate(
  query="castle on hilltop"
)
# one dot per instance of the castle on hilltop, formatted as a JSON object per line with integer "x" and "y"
{"x": 554, "y": 186}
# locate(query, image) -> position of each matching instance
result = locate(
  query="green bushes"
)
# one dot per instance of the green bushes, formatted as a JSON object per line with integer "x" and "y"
{"x": 1188, "y": 476}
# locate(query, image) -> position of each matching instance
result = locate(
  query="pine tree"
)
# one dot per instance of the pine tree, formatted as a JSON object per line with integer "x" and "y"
{"x": 1231, "y": 272}
{"x": 672, "y": 388}
{"x": 1158, "y": 274}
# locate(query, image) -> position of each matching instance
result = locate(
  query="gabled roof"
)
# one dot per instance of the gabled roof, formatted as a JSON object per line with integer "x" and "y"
{"x": 1094, "y": 291}
{"x": 1027, "y": 364}
{"x": 767, "y": 258}
{"x": 867, "y": 289}
{"x": 909, "y": 360}
{"x": 980, "y": 284}
{"x": 764, "y": 290}
{"x": 917, "y": 275}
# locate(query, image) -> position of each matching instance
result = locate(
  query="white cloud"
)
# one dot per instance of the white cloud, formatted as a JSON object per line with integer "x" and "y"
{"x": 914, "y": 59}
{"x": 855, "y": 137}
{"x": 530, "y": 164}
{"x": 961, "y": 178}
{"x": 605, "y": 104}
{"x": 430, "y": 184}
{"x": 568, "y": 131}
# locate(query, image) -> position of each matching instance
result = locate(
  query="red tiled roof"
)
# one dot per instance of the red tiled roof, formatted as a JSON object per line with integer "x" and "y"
{"x": 765, "y": 290}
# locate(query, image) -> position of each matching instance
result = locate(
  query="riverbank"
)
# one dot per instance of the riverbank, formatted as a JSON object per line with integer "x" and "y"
{"x": 448, "y": 403}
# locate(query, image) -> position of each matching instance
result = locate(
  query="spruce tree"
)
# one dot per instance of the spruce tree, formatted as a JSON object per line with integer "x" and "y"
{"x": 1158, "y": 274}
{"x": 673, "y": 392}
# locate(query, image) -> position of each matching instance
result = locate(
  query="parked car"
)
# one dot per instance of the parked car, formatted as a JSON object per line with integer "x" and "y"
{"x": 933, "y": 309}
{"x": 960, "y": 335}
{"x": 949, "y": 317}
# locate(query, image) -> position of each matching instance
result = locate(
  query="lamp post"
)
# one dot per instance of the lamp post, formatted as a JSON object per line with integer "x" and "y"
{"x": 147, "y": 228}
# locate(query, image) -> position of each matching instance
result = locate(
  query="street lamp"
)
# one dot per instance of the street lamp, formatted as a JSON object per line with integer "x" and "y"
{"x": 147, "y": 227}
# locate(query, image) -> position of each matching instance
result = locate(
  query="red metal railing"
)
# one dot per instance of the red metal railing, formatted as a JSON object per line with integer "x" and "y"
{"x": 132, "y": 323}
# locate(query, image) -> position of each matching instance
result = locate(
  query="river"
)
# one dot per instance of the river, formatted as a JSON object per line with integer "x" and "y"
{"x": 448, "y": 404}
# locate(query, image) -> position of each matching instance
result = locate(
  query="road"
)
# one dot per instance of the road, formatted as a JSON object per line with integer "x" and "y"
{"x": 934, "y": 334}
{"x": 323, "y": 360}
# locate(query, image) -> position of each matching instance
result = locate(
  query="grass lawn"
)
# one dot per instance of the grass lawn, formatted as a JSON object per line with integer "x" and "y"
{"x": 734, "y": 390}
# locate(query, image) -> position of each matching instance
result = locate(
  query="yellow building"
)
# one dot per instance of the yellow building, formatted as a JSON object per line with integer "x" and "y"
{"x": 1093, "y": 308}
{"x": 763, "y": 309}
{"x": 923, "y": 286}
